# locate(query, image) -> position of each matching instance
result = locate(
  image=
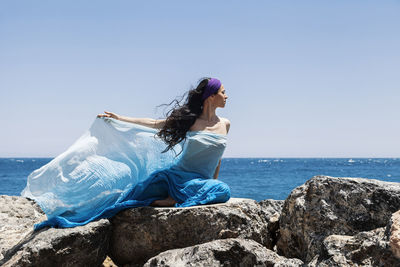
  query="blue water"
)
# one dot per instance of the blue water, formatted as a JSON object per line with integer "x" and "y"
{"x": 256, "y": 178}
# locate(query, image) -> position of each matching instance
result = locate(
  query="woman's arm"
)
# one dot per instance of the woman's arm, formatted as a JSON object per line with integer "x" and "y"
{"x": 157, "y": 124}
{"x": 217, "y": 170}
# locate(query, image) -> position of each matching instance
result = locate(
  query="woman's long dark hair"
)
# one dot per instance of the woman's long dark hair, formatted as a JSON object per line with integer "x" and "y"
{"x": 183, "y": 115}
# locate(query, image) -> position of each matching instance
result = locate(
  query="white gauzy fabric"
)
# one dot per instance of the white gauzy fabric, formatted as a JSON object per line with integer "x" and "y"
{"x": 111, "y": 157}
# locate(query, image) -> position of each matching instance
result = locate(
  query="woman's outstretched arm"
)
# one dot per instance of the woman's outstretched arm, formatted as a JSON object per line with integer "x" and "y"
{"x": 157, "y": 124}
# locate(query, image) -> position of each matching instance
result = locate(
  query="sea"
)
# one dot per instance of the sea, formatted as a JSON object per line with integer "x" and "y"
{"x": 255, "y": 178}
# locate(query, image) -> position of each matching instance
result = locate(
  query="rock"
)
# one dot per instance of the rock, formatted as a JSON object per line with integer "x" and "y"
{"x": 271, "y": 207}
{"x": 271, "y": 212}
{"x": 108, "y": 263}
{"x": 326, "y": 206}
{"x": 223, "y": 252}
{"x": 141, "y": 233}
{"x": 325, "y": 222}
{"x": 369, "y": 248}
{"x": 20, "y": 246}
{"x": 17, "y": 217}
{"x": 394, "y": 239}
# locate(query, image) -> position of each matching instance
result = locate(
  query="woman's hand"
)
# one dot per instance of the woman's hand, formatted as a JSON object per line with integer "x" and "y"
{"x": 109, "y": 115}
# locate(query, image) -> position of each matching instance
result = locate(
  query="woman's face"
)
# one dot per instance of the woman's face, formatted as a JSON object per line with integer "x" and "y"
{"x": 220, "y": 97}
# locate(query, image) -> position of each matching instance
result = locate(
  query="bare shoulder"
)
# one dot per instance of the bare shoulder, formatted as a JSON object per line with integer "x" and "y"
{"x": 227, "y": 123}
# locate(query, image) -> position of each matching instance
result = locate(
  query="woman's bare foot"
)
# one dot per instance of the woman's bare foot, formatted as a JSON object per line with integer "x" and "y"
{"x": 168, "y": 202}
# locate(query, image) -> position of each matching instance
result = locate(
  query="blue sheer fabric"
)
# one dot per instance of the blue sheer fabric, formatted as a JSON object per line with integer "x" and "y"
{"x": 117, "y": 165}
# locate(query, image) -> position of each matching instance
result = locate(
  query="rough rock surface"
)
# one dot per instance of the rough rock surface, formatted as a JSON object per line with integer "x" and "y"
{"x": 369, "y": 248}
{"x": 271, "y": 207}
{"x": 20, "y": 246}
{"x": 271, "y": 210}
{"x": 325, "y": 222}
{"x": 141, "y": 233}
{"x": 223, "y": 252}
{"x": 17, "y": 216}
{"x": 108, "y": 263}
{"x": 326, "y": 206}
{"x": 394, "y": 239}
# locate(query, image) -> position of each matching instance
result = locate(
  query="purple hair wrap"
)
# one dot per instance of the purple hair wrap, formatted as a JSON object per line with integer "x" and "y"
{"x": 212, "y": 87}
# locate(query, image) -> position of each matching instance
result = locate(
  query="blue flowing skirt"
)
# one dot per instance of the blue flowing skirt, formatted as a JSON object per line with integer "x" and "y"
{"x": 188, "y": 189}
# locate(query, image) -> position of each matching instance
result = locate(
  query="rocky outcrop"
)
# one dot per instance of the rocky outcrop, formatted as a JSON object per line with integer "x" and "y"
{"x": 20, "y": 246}
{"x": 325, "y": 222}
{"x": 141, "y": 233}
{"x": 271, "y": 210}
{"x": 223, "y": 252}
{"x": 326, "y": 206}
{"x": 369, "y": 248}
{"x": 394, "y": 236}
{"x": 17, "y": 216}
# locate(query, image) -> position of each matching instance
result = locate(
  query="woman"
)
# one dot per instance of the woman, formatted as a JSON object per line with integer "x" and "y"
{"x": 118, "y": 164}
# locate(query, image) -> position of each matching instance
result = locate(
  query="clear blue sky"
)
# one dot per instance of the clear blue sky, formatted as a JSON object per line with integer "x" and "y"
{"x": 304, "y": 78}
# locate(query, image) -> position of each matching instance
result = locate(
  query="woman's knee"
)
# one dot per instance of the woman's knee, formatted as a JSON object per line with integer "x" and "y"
{"x": 226, "y": 191}
{"x": 222, "y": 190}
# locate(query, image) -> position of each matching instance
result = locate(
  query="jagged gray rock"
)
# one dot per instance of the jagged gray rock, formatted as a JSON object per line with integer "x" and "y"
{"x": 271, "y": 207}
{"x": 141, "y": 233}
{"x": 223, "y": 252}
{"x": 369, "y": 248}
{"x": 17, "y": 217}
{"x": 326, "y": 206}
{"x": 394, "y": 233}
{"x": 325, "y": 222}
{"x": 271, "y": 210}
{"x": 20, "y": 246}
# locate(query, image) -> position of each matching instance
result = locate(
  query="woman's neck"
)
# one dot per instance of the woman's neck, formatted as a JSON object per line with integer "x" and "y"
{"x": 208, "y": 114}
